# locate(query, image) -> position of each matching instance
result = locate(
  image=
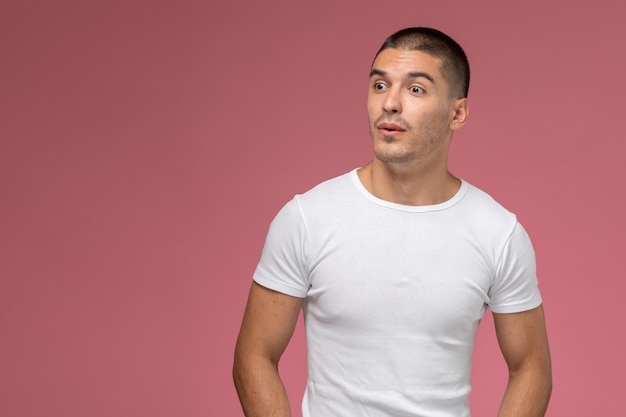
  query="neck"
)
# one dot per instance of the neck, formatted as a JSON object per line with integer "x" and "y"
{"x": 407, "y": 185}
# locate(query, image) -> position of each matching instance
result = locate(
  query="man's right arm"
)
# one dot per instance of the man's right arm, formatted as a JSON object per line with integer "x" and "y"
{"x": 267, "y": 327}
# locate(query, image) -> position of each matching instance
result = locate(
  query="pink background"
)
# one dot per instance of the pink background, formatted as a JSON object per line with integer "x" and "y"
{"x": 146, "y": 145}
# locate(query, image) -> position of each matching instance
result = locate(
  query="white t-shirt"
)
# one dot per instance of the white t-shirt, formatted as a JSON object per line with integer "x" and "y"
{"x": 394, "y": 294}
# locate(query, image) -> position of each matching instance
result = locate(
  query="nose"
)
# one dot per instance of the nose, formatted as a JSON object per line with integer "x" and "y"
{"x": 392, "y": 102}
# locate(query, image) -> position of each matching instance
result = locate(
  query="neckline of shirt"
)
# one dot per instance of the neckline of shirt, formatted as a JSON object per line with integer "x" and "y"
{"x": 402, "y": 207}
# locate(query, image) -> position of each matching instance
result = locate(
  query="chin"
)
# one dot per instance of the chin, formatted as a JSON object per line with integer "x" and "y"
{"x": 393, "y": 157}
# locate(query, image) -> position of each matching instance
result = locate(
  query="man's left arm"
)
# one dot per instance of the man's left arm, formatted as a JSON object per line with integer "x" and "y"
{"x": 524, "y": 345}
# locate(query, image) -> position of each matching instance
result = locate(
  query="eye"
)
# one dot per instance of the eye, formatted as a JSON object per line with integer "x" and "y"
{"x": 417, "y": 90}
{"x": 379, "y": 86}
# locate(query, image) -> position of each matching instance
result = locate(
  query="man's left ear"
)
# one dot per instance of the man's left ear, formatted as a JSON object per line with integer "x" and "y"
{"x": 461, "y": 111}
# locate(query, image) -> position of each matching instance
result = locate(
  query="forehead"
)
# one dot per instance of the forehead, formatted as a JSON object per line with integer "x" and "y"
{"x": 403, "y": 61}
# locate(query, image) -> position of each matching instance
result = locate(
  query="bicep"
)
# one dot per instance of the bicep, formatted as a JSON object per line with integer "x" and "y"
{"x": 268, "y": 322}
{"x": 523, "y": 340}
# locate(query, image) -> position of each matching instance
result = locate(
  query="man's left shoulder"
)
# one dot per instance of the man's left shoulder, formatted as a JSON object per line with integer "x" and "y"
{"x": 486, "y": 210}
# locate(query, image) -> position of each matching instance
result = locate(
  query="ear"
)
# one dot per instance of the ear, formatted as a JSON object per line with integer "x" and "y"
{"x": 460, "y": 112}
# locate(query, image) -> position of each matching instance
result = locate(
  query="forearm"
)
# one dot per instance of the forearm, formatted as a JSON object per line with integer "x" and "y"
{"x": 260, "y": 389}
{"x": 527, "y": 395}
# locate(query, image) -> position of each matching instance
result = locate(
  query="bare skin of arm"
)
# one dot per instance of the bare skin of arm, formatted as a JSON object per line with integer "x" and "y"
{"x": 524, "y": 345}
{"x": 267, "y": 327}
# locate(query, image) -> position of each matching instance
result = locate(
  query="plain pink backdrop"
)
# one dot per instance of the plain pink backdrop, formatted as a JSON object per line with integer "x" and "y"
{"x": 146, "y": 145}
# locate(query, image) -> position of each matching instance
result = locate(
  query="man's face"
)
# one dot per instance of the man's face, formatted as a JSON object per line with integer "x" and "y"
{"x": 411, "y": 114}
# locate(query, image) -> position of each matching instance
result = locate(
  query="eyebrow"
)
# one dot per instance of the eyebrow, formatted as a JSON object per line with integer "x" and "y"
{"x": 412, "y": 74}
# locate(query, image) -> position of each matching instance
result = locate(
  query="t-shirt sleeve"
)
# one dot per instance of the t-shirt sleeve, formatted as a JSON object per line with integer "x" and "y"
{"x": 515, "y": 287}
{"x": 283, "y": 261}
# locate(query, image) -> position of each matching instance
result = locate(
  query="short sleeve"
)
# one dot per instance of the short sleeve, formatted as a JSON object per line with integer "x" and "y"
{"x": 515, "y": 286}
{"x": 283, "y": 262}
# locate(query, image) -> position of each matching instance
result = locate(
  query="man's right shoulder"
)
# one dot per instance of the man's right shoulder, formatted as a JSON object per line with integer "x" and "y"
{"x": 330, "y": 188}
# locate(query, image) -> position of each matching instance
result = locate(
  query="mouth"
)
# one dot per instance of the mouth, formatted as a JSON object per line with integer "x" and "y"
{"x": 390, "y": 128}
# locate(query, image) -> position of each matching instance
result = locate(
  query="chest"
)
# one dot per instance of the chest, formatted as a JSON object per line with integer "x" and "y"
{"x": 425, "y": 276}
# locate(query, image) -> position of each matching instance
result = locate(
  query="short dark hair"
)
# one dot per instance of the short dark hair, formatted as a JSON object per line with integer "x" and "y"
{"x": 455, "y": 67}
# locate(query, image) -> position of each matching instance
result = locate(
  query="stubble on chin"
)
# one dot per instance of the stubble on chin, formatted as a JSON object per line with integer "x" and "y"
{"x": 394, "y": 158}
{"x": 384, "y": 150}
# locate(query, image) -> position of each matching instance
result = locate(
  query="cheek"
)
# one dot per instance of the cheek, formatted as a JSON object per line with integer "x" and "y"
{"x": 434, "y": 117}
{"x": 371, "y": 110}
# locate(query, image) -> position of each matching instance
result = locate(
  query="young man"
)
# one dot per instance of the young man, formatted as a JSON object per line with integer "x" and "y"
{"x": 394, "y": 264}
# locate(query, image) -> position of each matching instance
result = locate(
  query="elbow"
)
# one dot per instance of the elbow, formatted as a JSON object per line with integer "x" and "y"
{"x": 548, "y": 384}
{"x": 536, "y": 380}
{"x": 248, "y": 365}
{"x": 238, "y": 369}
{"x": 545, "y": 369}
{"x": 546, "y": 390}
